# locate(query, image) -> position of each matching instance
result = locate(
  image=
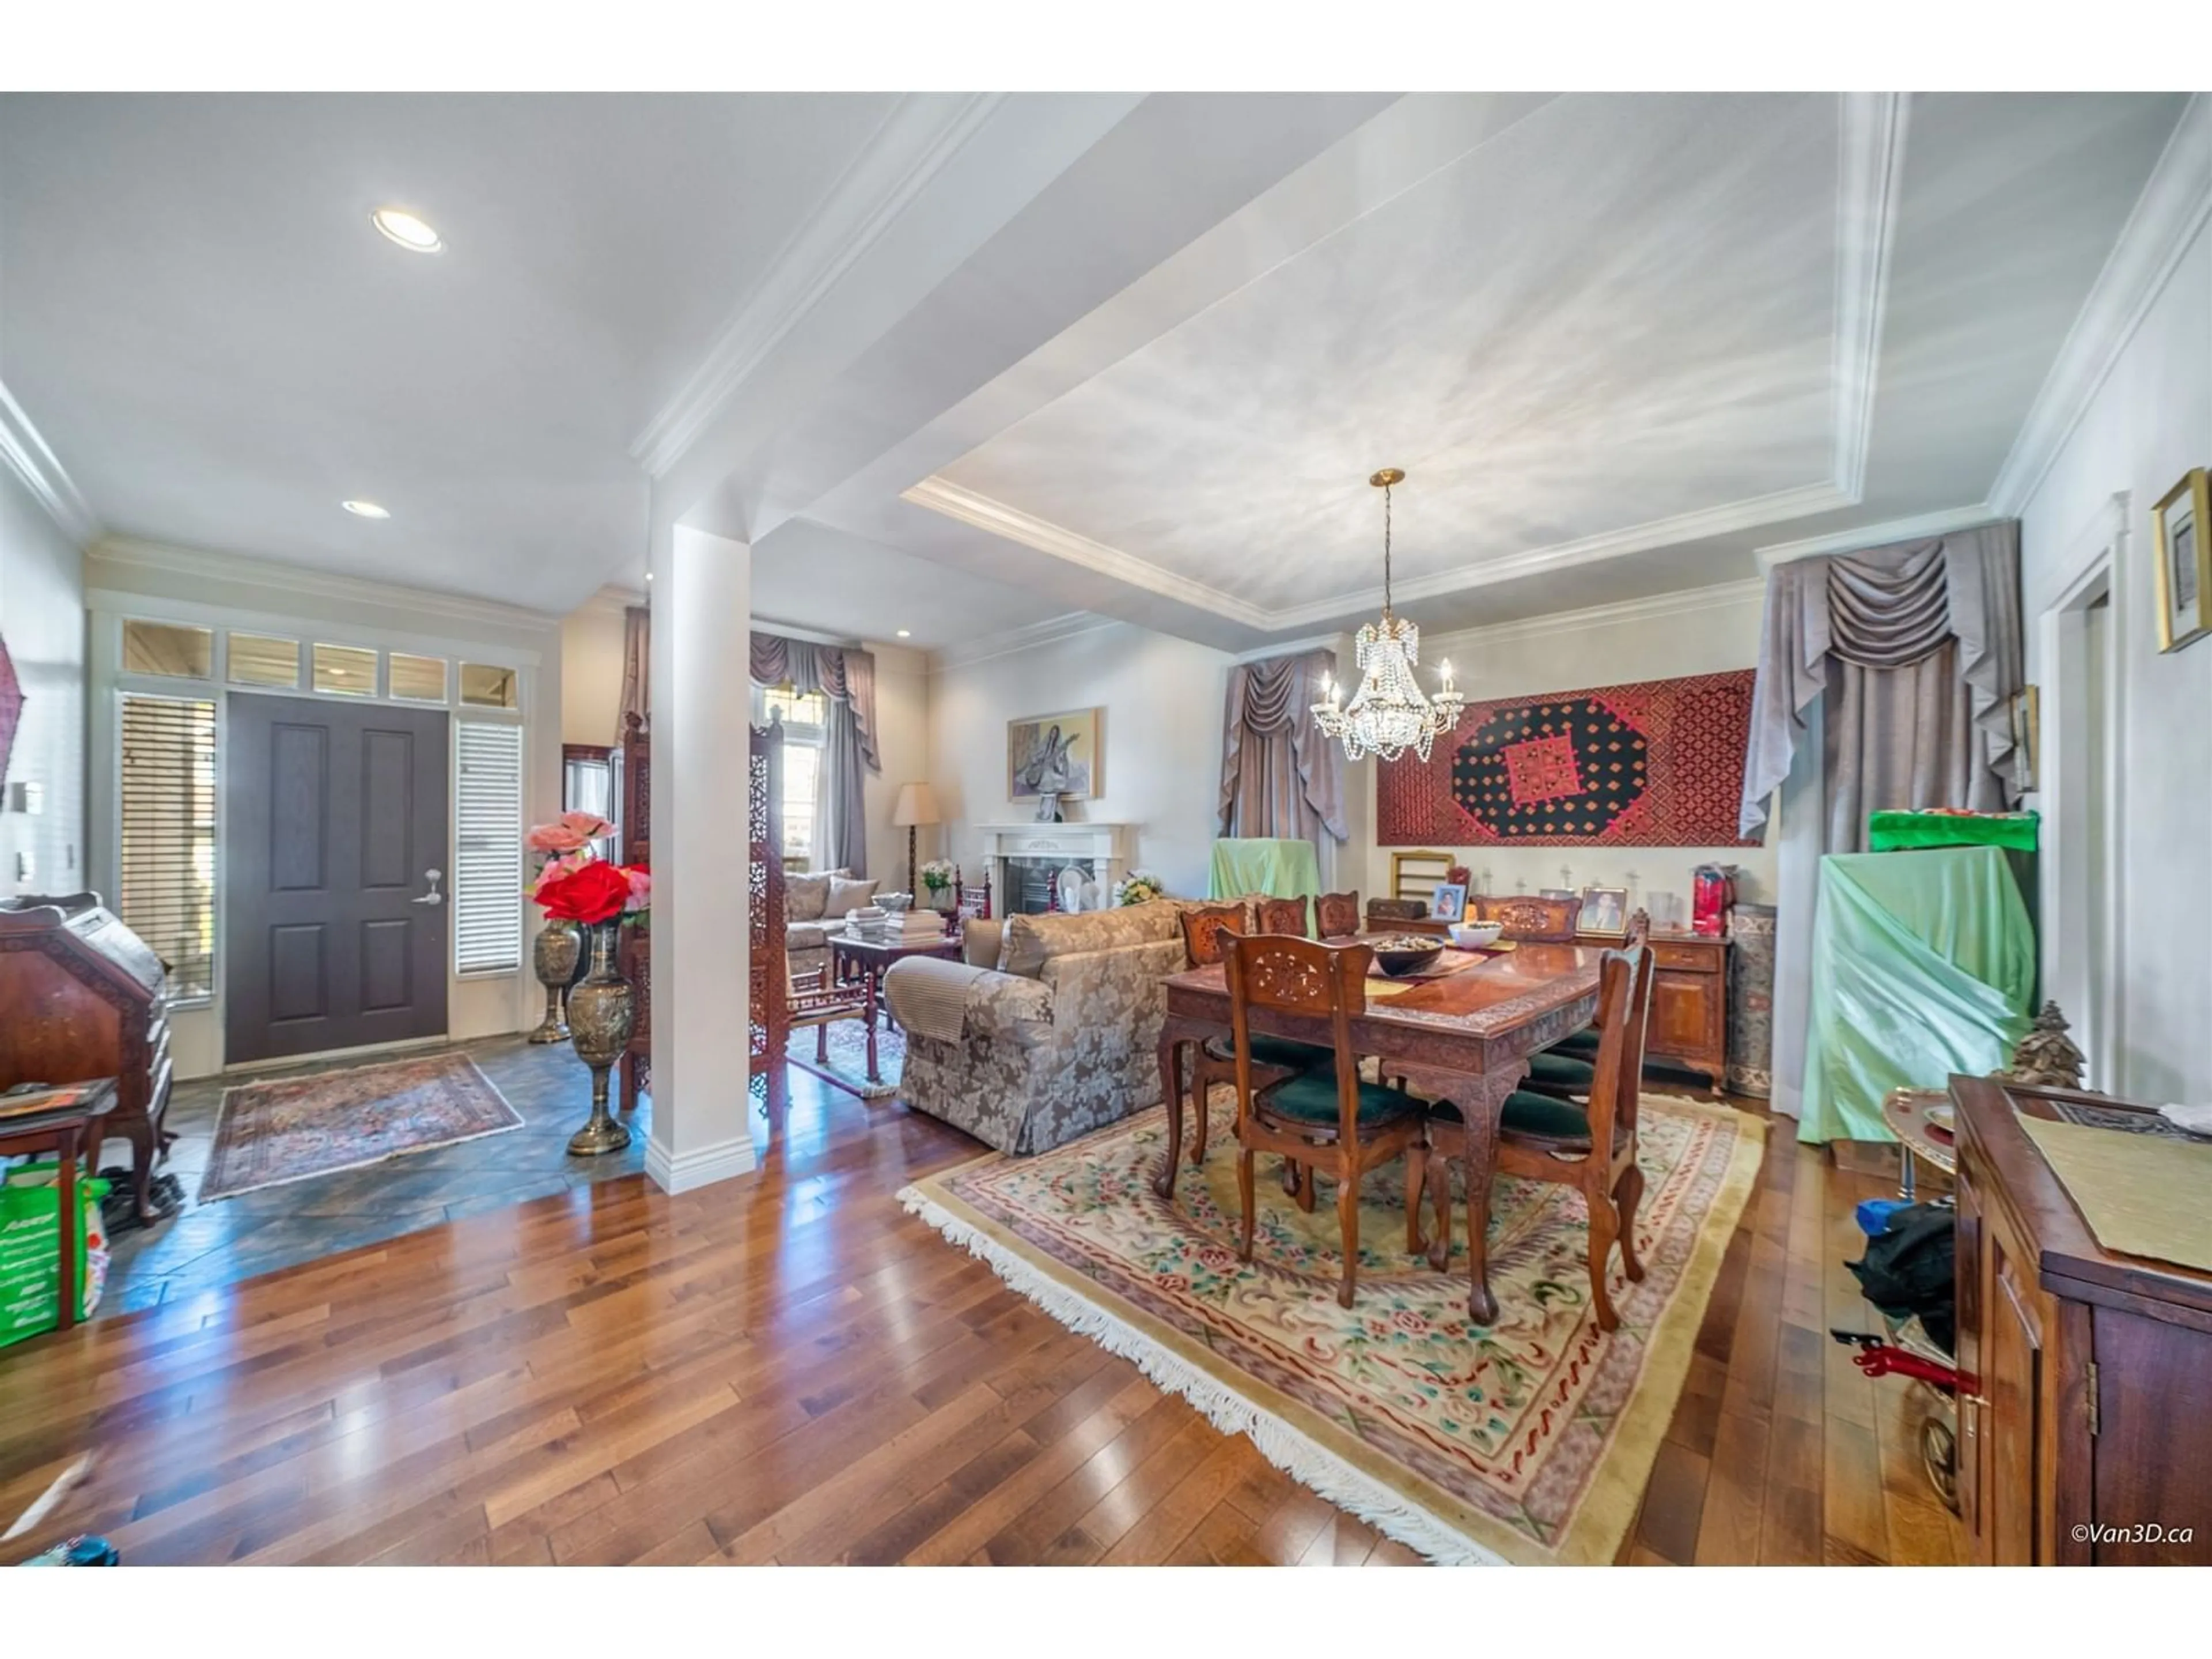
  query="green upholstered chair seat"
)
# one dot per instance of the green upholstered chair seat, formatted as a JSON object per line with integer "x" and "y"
{"x": 1273, "y": 1051}
{"x": 1538, "y": 1117}
{"x": 1582, "y": 1045}
{"x": 1310, "y": 1097}
{"x": 1553, "y": 1070}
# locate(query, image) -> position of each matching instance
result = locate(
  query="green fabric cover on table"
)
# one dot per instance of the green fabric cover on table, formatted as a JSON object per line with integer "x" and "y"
{"x": 1273, "y": 1051}
{"x": 1923, "y": 965}
{"x": 1280, "y": 869}
{"x": 1892, "y": 832}
{"x": 1310, "y": 1097}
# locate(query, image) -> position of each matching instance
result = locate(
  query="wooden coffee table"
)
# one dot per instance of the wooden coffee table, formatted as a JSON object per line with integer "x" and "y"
{"x": 864, "y": 962}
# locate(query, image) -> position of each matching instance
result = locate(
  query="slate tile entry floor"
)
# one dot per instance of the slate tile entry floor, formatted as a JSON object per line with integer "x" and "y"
{"x": 204, "y": 1245}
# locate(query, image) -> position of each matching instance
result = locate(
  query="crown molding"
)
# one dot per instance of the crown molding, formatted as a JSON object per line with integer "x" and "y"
{"x": 1031, "y": 637}
{"x": 1871, "y": 167}
{"x": 1880, "y": 535}
{"x": 1658, "y": 607}
{"x": 922, "y": 132}
{"x": 942, "y": 496}
{"x": 33, "y": 460}
{"x": 2175, "y": 203}
{"x": 201, "y": 565}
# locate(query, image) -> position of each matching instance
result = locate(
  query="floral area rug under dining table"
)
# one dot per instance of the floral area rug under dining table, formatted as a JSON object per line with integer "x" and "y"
{"x": 1530, "y": 1441}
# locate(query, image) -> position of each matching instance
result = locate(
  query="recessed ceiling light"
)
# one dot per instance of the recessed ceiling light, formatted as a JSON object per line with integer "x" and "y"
{"x": 906, "y": 633}
{"x": 405, "y": 229}
{"x": 365, "y": 509}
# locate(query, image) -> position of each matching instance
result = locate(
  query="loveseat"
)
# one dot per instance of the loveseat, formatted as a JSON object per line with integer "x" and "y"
{"x": 813, "y": 904}
{"x": 1049, "y": 1028}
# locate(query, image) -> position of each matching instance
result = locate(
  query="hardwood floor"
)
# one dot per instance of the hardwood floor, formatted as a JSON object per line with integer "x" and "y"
{"x": 796, "y": 1371}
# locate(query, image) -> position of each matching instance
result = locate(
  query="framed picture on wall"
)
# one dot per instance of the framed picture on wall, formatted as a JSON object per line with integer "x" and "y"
{"x": 1055, "y": 754}
{"x": 1448, "y": 902}
{"x": 2182, "y": 520}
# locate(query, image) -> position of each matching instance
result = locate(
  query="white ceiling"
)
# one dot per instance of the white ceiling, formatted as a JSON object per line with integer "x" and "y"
{"x": 963, "y": 365}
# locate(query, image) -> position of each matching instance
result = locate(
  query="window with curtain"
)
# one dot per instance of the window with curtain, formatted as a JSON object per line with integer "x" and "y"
{"x": 488, "y": 848}
{"x": 805, "y": 717}
{"x": 165, "y": 877}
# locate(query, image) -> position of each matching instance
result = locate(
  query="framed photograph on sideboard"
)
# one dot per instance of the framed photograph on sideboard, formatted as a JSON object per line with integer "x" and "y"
{"x": 1448, "y": 902}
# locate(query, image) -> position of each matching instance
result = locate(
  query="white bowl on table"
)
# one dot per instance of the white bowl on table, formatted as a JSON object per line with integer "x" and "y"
{"x": 1476, "y": 935}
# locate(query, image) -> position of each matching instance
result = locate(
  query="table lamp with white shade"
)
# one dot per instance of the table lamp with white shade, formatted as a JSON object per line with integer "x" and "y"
{"x": 917, "y": 805}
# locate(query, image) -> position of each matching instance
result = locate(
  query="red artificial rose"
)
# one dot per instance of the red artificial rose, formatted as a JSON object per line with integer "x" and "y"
{"x": 595, "y": 893}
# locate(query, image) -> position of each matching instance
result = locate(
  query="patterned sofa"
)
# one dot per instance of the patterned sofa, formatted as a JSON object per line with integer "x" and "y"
{"x": 1056, "y": 1035}
{"x": 813, "y": 905}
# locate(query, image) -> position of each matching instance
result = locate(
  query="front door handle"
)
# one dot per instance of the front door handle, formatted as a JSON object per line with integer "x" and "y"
{"x": 434, "y": 896}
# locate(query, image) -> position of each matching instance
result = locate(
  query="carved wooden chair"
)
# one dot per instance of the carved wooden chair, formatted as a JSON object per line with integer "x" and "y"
{"x": 1206, "y": 933}
{"x": 1285, "y": 916}
{"x": 1590, "y": 1145}
{"x": 1523, "y": 916}
{"x": 1336, "y": 915}
{"x": 819, "y": 1002}
{"x": 1327, "y": 1121}
{"x": 971, "y": 903}
{"x": 1570, "y": 1066}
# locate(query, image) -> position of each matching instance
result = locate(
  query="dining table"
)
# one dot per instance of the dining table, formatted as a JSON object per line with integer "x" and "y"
{"x": 1461, "y": 1031}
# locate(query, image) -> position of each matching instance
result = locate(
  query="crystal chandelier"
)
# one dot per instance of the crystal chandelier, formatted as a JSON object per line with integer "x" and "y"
{"x": 1389, "y": 714}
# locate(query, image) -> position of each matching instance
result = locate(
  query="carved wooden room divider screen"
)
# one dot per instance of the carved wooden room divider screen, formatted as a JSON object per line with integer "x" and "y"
{"x": 768, "y": 993}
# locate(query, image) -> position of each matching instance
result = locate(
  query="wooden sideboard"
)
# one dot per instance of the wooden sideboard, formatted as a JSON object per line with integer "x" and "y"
{"x": 1688, "y": 1023}
{"x": 2084, "y": 1377}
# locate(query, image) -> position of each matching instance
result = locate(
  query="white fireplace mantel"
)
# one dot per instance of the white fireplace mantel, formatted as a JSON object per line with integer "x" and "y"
{"x": 1107, "y": 849}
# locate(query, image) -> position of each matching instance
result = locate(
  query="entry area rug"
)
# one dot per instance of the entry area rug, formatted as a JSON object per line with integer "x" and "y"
{"x": 294, "y": 1129}
{"x": 847, "y": 1065}
{"x": 1527, "y": 1442}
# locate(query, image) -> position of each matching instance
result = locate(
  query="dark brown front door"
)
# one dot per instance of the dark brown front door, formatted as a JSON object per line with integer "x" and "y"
{"x": 336, "y": 824}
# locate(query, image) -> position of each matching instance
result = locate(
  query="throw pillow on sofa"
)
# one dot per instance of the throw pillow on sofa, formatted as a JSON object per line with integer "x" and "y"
{"x": 846, "y": 894}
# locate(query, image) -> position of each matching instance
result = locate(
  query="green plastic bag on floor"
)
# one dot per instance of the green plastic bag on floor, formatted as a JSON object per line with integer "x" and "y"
{"x": 30, "y": 1265}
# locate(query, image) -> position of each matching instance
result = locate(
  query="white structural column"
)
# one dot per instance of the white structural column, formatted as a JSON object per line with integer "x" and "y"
{"x": 700, "y": 700}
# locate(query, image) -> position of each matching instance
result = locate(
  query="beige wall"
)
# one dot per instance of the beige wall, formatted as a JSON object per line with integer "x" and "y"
{"x": 1160, "y": 731}
{"x": 42, "y": 619}
{"x": 591, "y": 670}
{"x": 1703, "y": 632}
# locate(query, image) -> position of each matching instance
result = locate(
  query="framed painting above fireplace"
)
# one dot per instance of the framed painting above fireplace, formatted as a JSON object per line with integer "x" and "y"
{"x": 1058, "y": 755}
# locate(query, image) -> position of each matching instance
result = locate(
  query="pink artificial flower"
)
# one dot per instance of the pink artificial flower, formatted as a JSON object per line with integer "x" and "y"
{"x": 557, "y": 869}
{"x": 640, "y": 887}
{"x": 589, "y": 826}
{"x": 556, "y": 837}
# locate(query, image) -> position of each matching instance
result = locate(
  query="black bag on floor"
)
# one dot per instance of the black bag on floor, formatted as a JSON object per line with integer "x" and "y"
{"x": 1908, "y": 1269}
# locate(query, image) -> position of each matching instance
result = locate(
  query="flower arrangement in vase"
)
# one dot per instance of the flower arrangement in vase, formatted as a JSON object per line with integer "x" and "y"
{"x": 581, "y": 892}
{"x": 1138, "y": 887}
{"x": 938, "y": 876}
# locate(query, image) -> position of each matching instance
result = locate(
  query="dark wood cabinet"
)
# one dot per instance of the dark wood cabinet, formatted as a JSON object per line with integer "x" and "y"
{"x": 81, "y": 996}
{"x": 2084, "y": 1377}
{"x": 1688, "y": 1021}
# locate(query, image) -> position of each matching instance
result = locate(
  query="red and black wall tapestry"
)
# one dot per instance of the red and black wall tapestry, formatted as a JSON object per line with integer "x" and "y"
{"x": 1656, "y": 764}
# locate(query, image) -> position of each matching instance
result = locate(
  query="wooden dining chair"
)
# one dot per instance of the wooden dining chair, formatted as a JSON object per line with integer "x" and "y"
{"x": 1570, "y": 1066}
{"x": 1206, "y": 931}
{"x": 1284, "y": 915}
{"x": 1336, "y": 915}
{"x": 1527, "y": 917}
{"x": 1325, "y": 1121}
{"x": 1590, "y": 1145}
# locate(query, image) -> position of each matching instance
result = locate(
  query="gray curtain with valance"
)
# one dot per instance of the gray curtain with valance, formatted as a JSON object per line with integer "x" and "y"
{"x": 1885, "y": 680}
{"x": 1279, "y": 776}
{"x": 846, "y": 677}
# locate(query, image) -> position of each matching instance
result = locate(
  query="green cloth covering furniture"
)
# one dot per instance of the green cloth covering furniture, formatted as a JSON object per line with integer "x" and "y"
{"x": 1280, "y": 869}
{"x": 1892, "y": 832}
{"x": 1923, "y": 965}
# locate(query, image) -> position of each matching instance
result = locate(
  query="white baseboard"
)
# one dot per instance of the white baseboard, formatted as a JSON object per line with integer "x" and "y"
{"x": 703, "y": 1166}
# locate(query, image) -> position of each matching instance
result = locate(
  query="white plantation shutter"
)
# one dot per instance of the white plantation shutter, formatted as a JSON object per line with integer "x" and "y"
{"x": 488, "y": 878}
{"x": 165, "y": 887}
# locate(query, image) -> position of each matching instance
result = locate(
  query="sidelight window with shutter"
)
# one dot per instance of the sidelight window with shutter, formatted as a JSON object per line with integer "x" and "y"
{"x": 487, "y": 869}
{"x": 165, "y": 875}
